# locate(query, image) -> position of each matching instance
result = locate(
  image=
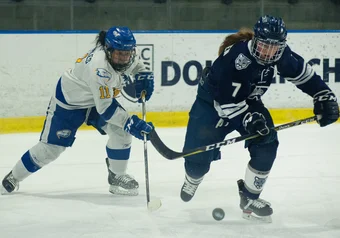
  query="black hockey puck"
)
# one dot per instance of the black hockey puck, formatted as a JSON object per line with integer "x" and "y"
{"x": 218, "y": 214}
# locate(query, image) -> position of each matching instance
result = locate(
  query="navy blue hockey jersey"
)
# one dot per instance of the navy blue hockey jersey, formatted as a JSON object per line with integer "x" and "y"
{"x": 236, "y": 79}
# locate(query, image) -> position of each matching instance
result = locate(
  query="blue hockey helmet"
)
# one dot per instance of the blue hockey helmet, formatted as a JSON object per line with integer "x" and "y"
{"x": 269, "y": 40}
{"x": 120, "y": 39}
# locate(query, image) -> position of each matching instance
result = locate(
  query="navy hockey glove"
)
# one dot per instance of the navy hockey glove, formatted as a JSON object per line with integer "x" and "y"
{"x": 144, "y": 81}
{"x": 137, "y": 127}
{"x": 326, "y": 107}
{"x": 255, "y": 122}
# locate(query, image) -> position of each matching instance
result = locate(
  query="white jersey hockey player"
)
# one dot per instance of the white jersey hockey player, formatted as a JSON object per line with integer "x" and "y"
{"x": 87, "y": 94}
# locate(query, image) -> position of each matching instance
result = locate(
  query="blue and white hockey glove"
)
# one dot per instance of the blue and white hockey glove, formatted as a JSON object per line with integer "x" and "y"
{"x": 326, "y": 107}
{"x": 255, "y": 122}
{"x": 144, "y": 81}
{"x": 137, "y": 127}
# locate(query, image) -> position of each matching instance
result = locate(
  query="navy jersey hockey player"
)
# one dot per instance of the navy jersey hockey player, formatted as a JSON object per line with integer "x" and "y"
{"x": 229, "y": 98}
{"x": 87, "y": 93}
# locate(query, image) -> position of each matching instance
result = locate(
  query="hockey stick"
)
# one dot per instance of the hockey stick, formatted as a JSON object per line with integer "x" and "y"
{"x": 155, "y": 204}
{"x": 171, "y": 155}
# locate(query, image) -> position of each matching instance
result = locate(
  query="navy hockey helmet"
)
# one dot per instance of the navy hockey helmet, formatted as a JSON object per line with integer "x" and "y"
{"x": 269, "y": 40}
{"x": 120, "y": 39}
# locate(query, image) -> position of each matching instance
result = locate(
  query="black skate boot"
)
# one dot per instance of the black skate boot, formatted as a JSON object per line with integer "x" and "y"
{"x": 122, "y": 184}
{"x": 189, "y": 188}
{"x": 257, "y": 209}
{"x": 9, "y": 184}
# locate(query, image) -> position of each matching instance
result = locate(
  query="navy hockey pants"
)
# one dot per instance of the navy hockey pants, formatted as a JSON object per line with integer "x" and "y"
{"x": 206, "y": 127}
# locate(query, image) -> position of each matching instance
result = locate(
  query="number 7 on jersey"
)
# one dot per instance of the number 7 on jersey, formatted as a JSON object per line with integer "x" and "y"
{"x": 237, "y": 88}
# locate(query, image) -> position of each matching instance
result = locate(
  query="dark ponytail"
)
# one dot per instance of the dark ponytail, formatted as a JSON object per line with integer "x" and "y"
{"x": 100, "y": 40}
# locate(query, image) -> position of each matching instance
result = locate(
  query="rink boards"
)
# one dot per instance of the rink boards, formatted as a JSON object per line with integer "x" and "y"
{"x": 35, "y": 60}
{"x": 159, "y": 119}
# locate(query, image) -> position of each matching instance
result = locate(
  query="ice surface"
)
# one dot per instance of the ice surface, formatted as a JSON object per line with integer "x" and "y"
{"x": 69, "y": 198}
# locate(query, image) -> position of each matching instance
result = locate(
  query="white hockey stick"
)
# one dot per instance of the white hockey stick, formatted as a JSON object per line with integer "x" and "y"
{"x": 156, "y": 203}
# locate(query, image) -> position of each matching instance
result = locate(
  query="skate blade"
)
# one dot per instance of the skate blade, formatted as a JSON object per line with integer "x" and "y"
{"x": 252, "y": 217}
{"x": 122, "y": 191}
{"x": 5, "y": 192}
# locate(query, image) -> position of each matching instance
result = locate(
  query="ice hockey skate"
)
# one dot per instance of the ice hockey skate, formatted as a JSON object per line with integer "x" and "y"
{"x": 255, "y": 210}
{"x": 189, "y": 188}
{"x": 9, "y": 184}
{"x": 122, "y": 184}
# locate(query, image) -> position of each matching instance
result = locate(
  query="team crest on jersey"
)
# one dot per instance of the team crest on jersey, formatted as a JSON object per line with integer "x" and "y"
{"x": 259, "y": 182}
{"x": 103, "y": 73}
{"x": 242, "y": 62}
{"x": 146, "y": 52}
{"x": 63, "y": 133}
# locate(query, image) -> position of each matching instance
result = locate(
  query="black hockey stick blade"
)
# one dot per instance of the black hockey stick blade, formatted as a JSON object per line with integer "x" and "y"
{"x": 171, "y": 155}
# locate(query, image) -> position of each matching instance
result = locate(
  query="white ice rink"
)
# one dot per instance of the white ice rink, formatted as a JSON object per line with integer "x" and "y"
{"x": 69, "y": 198}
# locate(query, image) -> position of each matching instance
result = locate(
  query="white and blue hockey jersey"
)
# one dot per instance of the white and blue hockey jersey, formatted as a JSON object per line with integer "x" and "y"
{"x": 94, "y": 83}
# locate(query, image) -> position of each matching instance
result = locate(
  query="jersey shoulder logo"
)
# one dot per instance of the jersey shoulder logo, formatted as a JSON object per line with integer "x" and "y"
{"x": 242, "y": 62}
{"x": 103, "y": 73}
{"x": 226, "y": 50}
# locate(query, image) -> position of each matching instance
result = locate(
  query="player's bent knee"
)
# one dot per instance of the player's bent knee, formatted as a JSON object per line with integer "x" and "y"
{"x": 118, "y": 138}
{"x": 43, "y": 153}
{"x": 196, "y": 170}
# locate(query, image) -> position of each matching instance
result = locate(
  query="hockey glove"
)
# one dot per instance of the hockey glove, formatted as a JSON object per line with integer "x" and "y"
{"x": 255, "y": 122}
{"x": 144, "y": 81}
{"x": 137, "y": 127}
{"x": 326, "y": 107}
